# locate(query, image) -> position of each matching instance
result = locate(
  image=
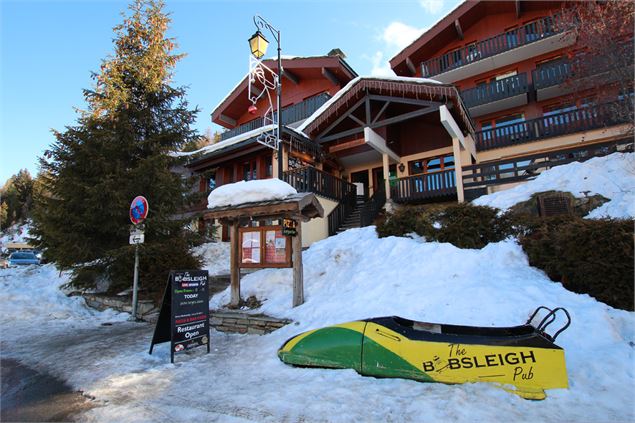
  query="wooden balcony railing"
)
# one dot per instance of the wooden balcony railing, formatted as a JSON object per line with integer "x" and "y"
{"x": 526, "y": 34}
{"x": 583, "y": 119}
{"x": 551, "y": 74}
{"x": 310, "y": 179}
{"x": 528, "y": 167}
{"x": 290, "y": 114}
{"x": 425, "y": 186}
{"x": 496, "y": 90}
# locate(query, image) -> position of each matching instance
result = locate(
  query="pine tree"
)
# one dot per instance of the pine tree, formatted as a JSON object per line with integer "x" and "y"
{"x": 119, "y": 149}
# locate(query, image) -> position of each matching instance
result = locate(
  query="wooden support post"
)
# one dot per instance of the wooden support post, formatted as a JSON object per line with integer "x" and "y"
{"x": 458, "y": 172}
{"x": 298, "y": 277}
{"x": 234, "y": 246}
{"x": 386, "y": 175}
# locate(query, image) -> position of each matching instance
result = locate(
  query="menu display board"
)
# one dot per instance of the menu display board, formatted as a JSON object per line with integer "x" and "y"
{"x": 184, "y": 316}
{"x": 264, "y": 246}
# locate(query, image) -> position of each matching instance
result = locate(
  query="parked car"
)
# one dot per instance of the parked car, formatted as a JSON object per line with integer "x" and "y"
{"x": 23, "y": 258}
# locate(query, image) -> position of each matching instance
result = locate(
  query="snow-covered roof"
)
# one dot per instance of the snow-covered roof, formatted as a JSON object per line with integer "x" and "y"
{"x": 226, "y": 143}
{"x": 249, "y": 192}
{"x": 353, "y": 82}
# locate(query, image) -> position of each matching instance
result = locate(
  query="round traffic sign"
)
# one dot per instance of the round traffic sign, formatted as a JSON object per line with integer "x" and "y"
{"x": 138, "y": 209}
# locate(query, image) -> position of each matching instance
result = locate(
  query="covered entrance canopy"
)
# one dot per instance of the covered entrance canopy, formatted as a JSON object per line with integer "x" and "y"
{"x": 392, "y": 120}
{"x": 298, "y": 208}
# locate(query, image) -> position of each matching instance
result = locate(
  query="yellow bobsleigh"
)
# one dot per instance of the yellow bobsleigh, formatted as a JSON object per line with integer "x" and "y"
{"x": 523, "y": 359}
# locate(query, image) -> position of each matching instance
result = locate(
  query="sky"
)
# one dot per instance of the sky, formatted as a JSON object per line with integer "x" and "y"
{"x": 49, "y": 49}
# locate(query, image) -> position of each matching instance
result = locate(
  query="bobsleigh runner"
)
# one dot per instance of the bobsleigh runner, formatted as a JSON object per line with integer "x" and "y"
{"x": 522, "y": 359}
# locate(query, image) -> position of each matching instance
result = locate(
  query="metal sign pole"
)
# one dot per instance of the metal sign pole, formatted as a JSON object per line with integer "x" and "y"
{"x": 135, "y": 283}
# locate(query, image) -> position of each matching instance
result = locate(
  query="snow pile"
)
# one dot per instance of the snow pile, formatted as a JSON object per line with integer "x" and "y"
{"x": 15, "y": 233}
{"x": 215, "y": 257}
{"x": 31, "y": 299}
{"x": 249, "y": 192}
{"x": 611, "y": 176}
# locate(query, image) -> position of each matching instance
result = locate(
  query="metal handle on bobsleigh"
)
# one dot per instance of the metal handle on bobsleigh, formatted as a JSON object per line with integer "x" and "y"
{"x": 551, "y": 317}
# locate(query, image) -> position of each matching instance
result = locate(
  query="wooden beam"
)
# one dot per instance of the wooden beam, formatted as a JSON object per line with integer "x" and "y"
{"x": 381, "y": 111}
{"x": 518, "y": 8}
{"x": 346, "y": 145}
{"x": 459, "y": 30}
{"x": 411, "y": 66}
{"x": 227, "y": 119}
{"x": 234, "y": 246}
{"x": 404, "y": 100}
{"x": 356, "y": 119}
{"x": 403, "y": 117}
{"x": 291, "y": 76}
{"x": 367, "y": 107}
{"x": 330, "y": 76}
{"x": 341, "y": 118}
{"x": 342, "y": 134}
{"x": 298, "y": 274}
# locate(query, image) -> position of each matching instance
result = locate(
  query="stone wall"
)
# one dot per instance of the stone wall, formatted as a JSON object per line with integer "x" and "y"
{"x": 122, "y": 303}
{"x": 236, "y": 322}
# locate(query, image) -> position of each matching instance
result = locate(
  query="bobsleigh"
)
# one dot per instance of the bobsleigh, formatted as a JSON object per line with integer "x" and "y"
{"x": 522, "y": 359}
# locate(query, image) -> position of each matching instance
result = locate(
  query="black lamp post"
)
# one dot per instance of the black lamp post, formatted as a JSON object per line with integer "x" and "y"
{"x": 258, "y": 46}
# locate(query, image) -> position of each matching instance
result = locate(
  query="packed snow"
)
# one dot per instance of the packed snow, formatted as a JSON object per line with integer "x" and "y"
{"x": 221, "y": 145}
{"x": 353, "y": 275}
{"x": 612, "y": 176}
{"x": 243, "y": 192}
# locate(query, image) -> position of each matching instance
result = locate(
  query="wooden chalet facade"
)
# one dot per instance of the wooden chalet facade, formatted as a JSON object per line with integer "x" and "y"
{"x": 510, "y": 61}
{"x": 478, "y": 104}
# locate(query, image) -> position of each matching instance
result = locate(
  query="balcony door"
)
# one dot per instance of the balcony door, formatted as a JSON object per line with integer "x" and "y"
{"x": 249, "y": 170}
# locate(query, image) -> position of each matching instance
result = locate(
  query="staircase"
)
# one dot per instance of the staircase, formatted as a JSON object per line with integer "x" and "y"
{"x": 354, "y": 219}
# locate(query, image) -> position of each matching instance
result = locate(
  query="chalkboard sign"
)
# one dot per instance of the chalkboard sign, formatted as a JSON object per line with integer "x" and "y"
{"x": 184, "y": 316}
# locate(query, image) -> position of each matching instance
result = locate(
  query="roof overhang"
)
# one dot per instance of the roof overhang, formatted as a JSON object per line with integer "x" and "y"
{"x": 426, "y": 94}
{"x": 332, "y": 68}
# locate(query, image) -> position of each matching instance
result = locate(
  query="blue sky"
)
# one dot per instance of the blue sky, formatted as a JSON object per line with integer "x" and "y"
{"x": 49, "y": 48}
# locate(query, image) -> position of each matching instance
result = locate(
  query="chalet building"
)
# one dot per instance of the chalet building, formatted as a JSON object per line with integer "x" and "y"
{"x": 479, "y": 102}
{"x": 509, "y": 61}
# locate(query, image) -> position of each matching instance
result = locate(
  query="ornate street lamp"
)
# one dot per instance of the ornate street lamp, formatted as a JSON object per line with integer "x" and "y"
{"x": 258, "y": 46}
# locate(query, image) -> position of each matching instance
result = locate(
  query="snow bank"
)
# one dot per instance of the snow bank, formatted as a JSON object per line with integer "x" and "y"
{"x": 355, "y": 275}
{"x": 215, "y": 257}
{"x": 30, "y": 297}
{"x": 612, "y": 176}
{"x": 350, "y": 276}
{"x": 249, "y": 191}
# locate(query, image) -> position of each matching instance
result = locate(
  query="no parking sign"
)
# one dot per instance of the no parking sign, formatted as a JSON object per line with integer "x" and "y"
{"x": 138, "y": 209}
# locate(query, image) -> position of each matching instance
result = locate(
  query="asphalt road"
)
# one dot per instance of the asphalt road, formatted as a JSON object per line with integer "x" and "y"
{"x": 30, "y": 396}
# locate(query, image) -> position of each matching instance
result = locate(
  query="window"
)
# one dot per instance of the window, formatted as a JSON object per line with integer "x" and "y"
{"x": 428, "y": 174}
{"x": 249, "y": 170}
{"x": 211, "y": 183}
{"x": 510, "y": 127}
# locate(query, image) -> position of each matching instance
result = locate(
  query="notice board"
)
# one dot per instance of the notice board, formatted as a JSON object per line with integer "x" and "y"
{"x": 184, "y": 316}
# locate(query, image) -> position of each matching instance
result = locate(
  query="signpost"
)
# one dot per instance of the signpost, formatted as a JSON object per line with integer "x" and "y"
{"x": 138, "y": 212}
{"x": 184, "y": 316}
